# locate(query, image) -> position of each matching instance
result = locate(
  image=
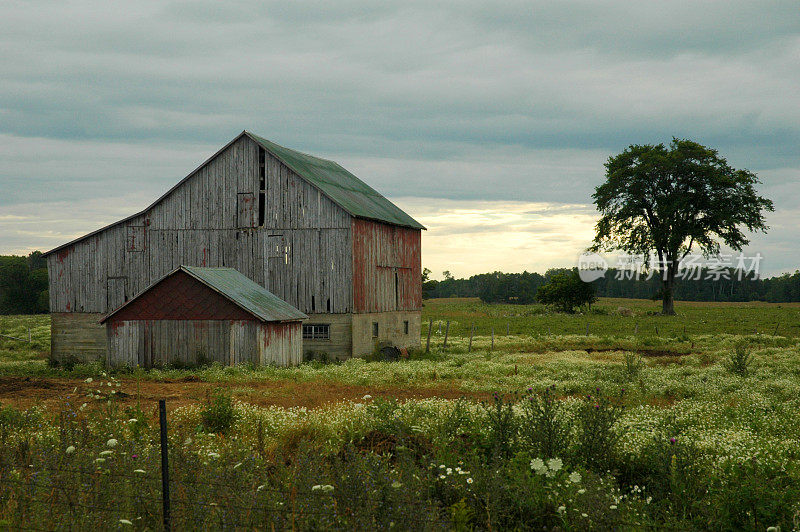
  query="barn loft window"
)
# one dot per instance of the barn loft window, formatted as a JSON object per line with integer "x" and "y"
{"x": 262, "y": 186}
{"x": 317, "y": 331}
{"x": 405, "y": 327}
{"x": 374, "y": 329}
{"x": 135, "y": 239}
{"x": 313, "y": 304}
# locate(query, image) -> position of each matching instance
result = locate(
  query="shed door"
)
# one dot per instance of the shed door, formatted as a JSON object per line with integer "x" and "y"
{"x": 116, "y": 293}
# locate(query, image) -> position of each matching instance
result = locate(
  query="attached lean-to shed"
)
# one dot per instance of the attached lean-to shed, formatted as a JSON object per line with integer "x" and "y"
{"x": 198, "y": 315}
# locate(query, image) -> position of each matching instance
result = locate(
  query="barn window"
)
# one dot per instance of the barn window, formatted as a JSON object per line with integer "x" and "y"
{"x": 262, "y": 186}
{"x": 317, "y": 332}
{"x": 313, "y": 304}
{"x": 374, "y": 329}
{"x": 405, "y": 327}
{"x": 135, "y": 239}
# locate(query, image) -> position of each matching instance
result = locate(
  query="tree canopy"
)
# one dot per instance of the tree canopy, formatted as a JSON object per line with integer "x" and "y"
{"x": 664, "y": 201}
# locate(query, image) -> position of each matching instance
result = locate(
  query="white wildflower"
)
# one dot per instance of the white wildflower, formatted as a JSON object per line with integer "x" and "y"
{"x": 396, "y": 484}
{"x": 70, "y": 449}
{"x": 88, "y": 380}
{"x": 212, "y": 454}
{"x": 111, "y": 443}
{"x": 537, "y": 464}
{"x": 106, "y": 453}
{"x": 562, "y": 509}
{"x": 613, "y": 507}
{"x": 367, "y": 397}
{"x": 469, "y": 480}
{"x": 575, "y": 477}
{"x": 555, "y": 464}
{"x": 125, "y": 522}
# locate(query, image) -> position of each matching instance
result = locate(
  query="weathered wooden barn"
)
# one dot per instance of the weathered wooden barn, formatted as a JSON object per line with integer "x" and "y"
{"x": 300, "y": 226}
{"x": 197, "y": 315}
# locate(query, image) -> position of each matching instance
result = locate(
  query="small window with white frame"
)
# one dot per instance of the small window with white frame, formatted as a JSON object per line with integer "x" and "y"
{"x": 317, "y": 331}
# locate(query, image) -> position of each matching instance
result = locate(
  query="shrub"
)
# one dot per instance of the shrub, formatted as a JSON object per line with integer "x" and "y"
{"x": 633, "y": 365}
{"x": 502, "y": 429}
{"x": 565, "y": 291}
{"x": 218, "y": 414}
{"x": 597, "y": 438}
{"x": 543, "y": 426}
{"x": 739, "y": 361}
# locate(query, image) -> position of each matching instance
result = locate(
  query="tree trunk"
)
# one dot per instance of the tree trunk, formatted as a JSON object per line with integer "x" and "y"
{"x": 667, "y": 303}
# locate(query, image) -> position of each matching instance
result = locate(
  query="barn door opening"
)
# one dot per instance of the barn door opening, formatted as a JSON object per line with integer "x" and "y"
{"x": 396, "y": 291}
{"x": 116, "y": 293}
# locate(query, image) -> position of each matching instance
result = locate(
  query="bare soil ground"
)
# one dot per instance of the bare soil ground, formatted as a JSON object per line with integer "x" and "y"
{"x": 24, "y": 392}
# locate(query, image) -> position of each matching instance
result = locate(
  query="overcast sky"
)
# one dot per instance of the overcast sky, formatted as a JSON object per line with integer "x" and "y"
{"x": 487, "y": 122}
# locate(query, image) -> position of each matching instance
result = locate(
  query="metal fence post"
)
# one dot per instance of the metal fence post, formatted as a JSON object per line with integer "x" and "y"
{"x": 446, "y": 331}
{"x": 162, "y": 417}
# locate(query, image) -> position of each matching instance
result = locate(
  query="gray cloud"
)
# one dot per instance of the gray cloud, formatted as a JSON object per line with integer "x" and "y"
{"x": 461, "y": 100}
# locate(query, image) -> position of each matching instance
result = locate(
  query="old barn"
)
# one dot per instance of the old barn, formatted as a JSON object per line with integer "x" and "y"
{"x": 302, "y": 227}
{"x": 198, "y": 315}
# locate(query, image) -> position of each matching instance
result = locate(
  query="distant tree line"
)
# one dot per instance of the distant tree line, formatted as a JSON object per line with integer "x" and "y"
{"x": 725, "y": 285}
{"x": 23, "y": 284}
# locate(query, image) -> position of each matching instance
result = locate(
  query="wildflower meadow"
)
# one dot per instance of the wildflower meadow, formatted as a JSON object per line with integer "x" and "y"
{"x": 532, "y": 430}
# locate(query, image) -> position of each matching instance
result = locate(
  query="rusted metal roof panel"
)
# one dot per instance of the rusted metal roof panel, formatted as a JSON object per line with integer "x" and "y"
{"x": 342, "y": 187}
{"x": 243, "y": 292}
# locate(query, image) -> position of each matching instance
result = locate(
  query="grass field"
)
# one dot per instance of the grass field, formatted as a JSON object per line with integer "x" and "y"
{"x": 621, "y": 428}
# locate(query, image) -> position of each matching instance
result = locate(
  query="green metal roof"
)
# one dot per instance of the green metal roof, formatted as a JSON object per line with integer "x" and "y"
{"x": 237, "y": 288}
{"x": 342, "y": 187}
{"x": 252, "y": 297}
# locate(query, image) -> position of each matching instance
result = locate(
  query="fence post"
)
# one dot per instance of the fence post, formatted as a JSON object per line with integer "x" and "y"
{"x": 776, "y": 330}
{"x": 656, "y": 330}
{"x": 428, "y": 343}
{"x": 446, "y": 331}
{"x": 29, "y": 335}
{"x": 636, "y": 329}
{"x": 587, "y": 328}
{"x": 492, "y": 348}
{"x": 162, "y": 418}
{"x": 471, "y": 330}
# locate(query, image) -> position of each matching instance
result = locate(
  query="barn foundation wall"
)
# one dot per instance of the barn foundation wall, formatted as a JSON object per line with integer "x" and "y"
{"x": 339, "y": 345}
{"x": 77, "y": 336}
{"x": 391, "y": 328}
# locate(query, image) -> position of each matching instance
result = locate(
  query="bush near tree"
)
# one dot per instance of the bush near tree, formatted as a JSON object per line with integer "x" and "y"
{"x": 566, "y": 292}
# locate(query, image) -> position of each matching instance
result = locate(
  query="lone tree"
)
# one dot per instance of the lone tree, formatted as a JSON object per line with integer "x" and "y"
{"x": 565, "y": 291}
{"x": 668, "y": 199}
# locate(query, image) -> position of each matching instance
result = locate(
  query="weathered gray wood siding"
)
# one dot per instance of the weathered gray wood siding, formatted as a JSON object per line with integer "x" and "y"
{"x": 153, "y": 343}
{"x": 280, "y": 344}
{"x": 303, "y": 254}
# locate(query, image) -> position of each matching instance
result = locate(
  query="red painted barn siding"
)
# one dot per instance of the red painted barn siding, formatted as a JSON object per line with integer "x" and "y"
{"x": 379, "y": 252}
{"x": 181, "y": 297}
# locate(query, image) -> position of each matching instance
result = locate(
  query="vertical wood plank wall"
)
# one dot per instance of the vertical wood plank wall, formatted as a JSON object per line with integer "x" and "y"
{"x": 381, "y": 252}
{"x": 198, "y": 224}
{"x": 150, "y": 343}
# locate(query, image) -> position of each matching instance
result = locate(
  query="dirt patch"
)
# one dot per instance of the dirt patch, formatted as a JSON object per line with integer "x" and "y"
{"x": 24, "y": 392}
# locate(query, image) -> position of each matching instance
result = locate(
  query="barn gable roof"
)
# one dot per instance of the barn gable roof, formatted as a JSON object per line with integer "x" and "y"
{"x": 339, "y": 185}
{"x": 241, "y": 291}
